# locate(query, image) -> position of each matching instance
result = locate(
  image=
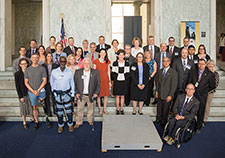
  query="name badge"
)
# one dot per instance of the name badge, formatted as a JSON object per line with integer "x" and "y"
{"x": 61, "y": 76}
{"x": 176, "y": 53}
{"x": 196, "y": 84}
{"x": 195, "y": 61}
{"x": 188, "y": 67}
{"x": 133, "y": 68}
{"x": 83, "y": 76}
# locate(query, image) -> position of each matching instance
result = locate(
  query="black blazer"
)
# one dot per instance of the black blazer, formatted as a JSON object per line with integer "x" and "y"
{"x": 54, "y": 66}
{"x": 206, "y": 83}
{"x": 196, "y": 58}
{"x": 156, "y": 50}
{"x": 68, "y": 50}
{"x": 176, "y": 52}
{"x": 158, "y": 59}
{"x": 183, "y": 76}
{"x": 106, "y": 47}
{"x": 94, "y": 83}
{"x": 191, "y": 108}
{"x": 134, "y": 73}
{"x": 28, "y": 53}
{"x": 20, "y": 86}
{"x": 166, "y": 86}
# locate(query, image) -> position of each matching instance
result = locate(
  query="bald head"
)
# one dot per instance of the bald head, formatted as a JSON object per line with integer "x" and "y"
{"x": 163, "y": 47}
{"x": 190, "y": 90}
{"x": 184, "y": 53}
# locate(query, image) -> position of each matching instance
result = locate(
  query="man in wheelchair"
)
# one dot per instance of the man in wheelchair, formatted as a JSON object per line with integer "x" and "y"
{"x": 184, "y": 110}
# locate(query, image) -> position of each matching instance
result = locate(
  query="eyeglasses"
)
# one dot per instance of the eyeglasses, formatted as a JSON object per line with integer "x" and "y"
{"x": 190, "y": 89}
{"x": 23, "y": 63}
{"x": 63, "y": 61}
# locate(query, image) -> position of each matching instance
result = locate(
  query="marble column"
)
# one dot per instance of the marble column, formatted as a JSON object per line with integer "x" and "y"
{"x": 137, "y": 8}
{"x": 108, "y": 21}
{"x": 157, "y": 21}
{"x": 2, "y": 32}
{"x": 46, "y": 21}
{"x": 213, "y": 30}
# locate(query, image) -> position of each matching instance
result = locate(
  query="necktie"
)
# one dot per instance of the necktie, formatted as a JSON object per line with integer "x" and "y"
{"x": 184, "y": 65}
{"x": 171, "y": 51}
{"x": 73, "y": 50}
{"x": 164, "y": 72}
{"x": 32, "y": 51}
{"x": 184, "y": 107}
{"x": 92, "y": 57}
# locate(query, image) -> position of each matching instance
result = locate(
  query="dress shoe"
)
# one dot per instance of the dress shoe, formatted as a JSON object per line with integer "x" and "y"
{"x": 71, "y": 128}
{"x": 155, "y": 102}
{"x": 117, "y": 112}
{"x": 122, "y": 112}
{"x": 60, "y": 130}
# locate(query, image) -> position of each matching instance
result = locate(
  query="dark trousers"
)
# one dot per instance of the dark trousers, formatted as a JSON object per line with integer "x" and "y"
{"x": 201, "y": 112}
{"x": 162, "y": 111}
{"x": 175, "y": 97}
{"x": 47, "y": 107}
{"x": 127, "y": 96}
{"x": 174, "y": 125}
{"x": 150, "y": 91}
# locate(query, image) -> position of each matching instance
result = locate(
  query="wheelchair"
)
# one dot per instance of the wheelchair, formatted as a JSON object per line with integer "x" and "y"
{"x": 184, "y": 134}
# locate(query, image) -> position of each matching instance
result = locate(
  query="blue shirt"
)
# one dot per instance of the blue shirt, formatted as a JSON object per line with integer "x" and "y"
{"x": 56, "y": 57}
{"x": 140, "y": 70}
{"x": 62, "y": 80}
{"x": 163, "y": 55}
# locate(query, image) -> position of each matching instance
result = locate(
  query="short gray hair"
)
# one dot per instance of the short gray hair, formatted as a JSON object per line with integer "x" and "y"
{"x": 86, "y": 59}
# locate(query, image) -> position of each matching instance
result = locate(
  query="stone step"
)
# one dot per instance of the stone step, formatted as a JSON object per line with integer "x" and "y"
{"x": 15, "y": 111}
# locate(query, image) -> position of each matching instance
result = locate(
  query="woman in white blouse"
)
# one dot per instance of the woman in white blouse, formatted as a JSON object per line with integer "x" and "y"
{"x": 112, "y": 52}
{"x": 136, "y": 49}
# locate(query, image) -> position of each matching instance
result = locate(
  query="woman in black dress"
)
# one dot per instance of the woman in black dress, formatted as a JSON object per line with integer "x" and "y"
{"x": 120, "y": 73}
{"x": 139, "y": 72}
{"x": 25, "y": 106}
{"x": 201, "y": 54}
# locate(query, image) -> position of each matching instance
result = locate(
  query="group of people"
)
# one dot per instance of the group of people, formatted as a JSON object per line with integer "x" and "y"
{"x": 181, "y": 81}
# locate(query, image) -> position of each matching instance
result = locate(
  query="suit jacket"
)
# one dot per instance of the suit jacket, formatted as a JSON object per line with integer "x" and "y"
{"x": 106, "y": 47}
{"x": 206, "y": 83}
{"x": 191, "y": 108}
{"x": 166, "y": 86}
{"x": 183, "y": 75}
{"x": 54, "y": 66}
{"x": 94, "y": 83}
{"x": 28, "y": 53}
{"x": 156, "y": 50}
{"x": 176, "y": 52}
{"x": 20, "y": 86}
{"x": 69, "y": 51}
{"x": 134, "y": 73}
{"x": 89, "y": 55}
{"x": 158, "y": 59}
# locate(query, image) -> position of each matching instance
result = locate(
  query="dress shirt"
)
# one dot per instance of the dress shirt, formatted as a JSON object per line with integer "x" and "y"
{"x": 86, "y": 79}
{"x": 62, "y": 80}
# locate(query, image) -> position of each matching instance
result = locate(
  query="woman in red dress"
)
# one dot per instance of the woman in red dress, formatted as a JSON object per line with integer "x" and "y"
{"x": 102, "y": 64}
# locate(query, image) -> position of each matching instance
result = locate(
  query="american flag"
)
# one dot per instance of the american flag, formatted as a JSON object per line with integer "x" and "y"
{"x": 63, "y": 35}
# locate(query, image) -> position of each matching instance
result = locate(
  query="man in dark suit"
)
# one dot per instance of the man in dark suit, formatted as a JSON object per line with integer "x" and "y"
{"x": 33, "y": 48}
{"x": 166, "y": 84}
{"x": 191, "y": 52}
{"x": 163, "y": 53}
{"x": 70, "y": 49}
{"x": 172, "y": 49}
{"x": 183, "y": 67}
{"x": 102, "y": 44}
{"x": 186, "y": 42}
{"x": 87, "y": 88}
{"x": 185, "y": 109}
{"x": 204, "y": 81}
{"x": 153, "y": 48}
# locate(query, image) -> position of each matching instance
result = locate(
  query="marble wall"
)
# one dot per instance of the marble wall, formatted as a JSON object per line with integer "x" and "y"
{"x": 175, "y": 11}
{"x": 27, "y": 23}
{"x": 86, "y": 19}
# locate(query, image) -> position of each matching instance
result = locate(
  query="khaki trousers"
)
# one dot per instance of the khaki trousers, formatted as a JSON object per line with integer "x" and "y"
{"x": 80, "y": 110}
{"x": 207, "y": 106}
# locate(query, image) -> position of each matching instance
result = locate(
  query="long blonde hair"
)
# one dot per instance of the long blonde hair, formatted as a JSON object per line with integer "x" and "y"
{"x": 68, "y": 58}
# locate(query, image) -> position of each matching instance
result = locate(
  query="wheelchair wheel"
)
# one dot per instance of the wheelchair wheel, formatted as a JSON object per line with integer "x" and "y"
{"x": 189, "y": 131}
{"x": 165, "y": 131}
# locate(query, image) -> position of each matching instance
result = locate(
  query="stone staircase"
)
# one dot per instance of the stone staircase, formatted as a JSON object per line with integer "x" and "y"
{"x": 9, "y": 103}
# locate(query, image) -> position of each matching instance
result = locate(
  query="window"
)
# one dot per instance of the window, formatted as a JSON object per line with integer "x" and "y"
{"x": 118, "y": 13}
